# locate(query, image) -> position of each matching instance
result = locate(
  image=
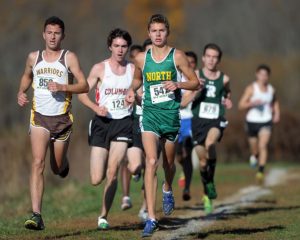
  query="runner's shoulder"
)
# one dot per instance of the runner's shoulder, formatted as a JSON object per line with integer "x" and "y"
{"x": 179, "y": 53}
{"x": 139, "y": 59}
{"x": 32, "y": 56}
{"x": 226, "y": 79}
{"x": 249, "y": 89}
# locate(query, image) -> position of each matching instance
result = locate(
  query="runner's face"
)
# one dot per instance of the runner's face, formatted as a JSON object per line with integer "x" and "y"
{"x": 158, "y": 34}
{"x": 262, "y": 76}
{"x": 192, "y": 62}
{"x": 211, "y": 59}
{"x": 53, "y": 36}
{"x": 119, "y": 49}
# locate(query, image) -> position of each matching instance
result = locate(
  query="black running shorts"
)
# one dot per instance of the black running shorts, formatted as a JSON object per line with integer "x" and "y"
{"x": 104, "y": 130}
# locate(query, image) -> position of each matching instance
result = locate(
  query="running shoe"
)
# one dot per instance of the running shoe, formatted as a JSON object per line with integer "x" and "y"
{"x": 168, "y": 202}
{"x": 207, "y": 204}
{"x": 126, "y": 203}
{"x": 186, "y": 196}
{"x": 136, "y": 177}
{"x": 211, "y": 190}
{"x": 253, "y": 161}
{"x": 102, "y": 224}
{"x": 35, "y": 222}
{"x": 260, "y": 177}
{"x": 181, "y": 181}
{"x": 143, "y": 215}
{"x": 63, "y": 173}
{"x": 150, "y": 227}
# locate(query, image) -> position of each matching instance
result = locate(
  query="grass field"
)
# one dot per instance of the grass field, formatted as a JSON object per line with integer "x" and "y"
{"x": 70, "y": 211}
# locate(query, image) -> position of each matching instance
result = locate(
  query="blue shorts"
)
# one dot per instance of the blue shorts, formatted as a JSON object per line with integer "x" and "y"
{"x": 185, "y": 129}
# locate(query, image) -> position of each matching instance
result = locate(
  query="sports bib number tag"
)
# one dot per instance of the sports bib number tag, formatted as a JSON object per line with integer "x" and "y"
{"x": 159, "y": 94}
{"x": 116, "y": 105}
{"x": 209, "y": 110}
{"x": 138, "y": 110}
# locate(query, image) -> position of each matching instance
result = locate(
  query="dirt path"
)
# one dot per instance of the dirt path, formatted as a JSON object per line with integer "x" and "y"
{"x": 194, "y": 220}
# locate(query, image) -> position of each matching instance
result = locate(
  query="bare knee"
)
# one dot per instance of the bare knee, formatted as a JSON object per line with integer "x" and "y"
{"x": 38, "y": 165}
{"x": 262, "y": 147}
{"x": 96, "y": 179}
{"x": 111, "y": 175}
{"x": 151, "y": 164}
{"x": 211, "y": 149}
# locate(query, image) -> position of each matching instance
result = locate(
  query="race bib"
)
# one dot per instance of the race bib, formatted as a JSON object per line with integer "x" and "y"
{"x": 159, "y": 94}
{"x": 138, "y": 110}
{"x": 43, "y": 83}
{"x": 116, "y": 105}
{"x": 209, "y": 110}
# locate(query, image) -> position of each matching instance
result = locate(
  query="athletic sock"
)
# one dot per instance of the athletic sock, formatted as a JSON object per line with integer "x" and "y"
{"x": 211, "y": 166}
{"x": 261, "y": 169}
{"x": 187, "y": 167}
{"x": 204, "y": 177}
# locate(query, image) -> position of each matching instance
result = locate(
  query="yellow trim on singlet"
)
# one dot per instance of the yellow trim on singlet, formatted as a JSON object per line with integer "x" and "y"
{"x": 71, "y": 117}
{"x": 32, "y": 117}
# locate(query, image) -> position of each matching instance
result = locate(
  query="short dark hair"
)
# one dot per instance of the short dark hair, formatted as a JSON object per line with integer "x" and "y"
{"x": 55, "y": 21}
{"x": 264, "y": 67}
{"x": 119, "y": 33}
{"x": 159, "y": 18}
{"x": 214, "y": 47}
{"x": 146, "y": 43}
{"x": 136, "y": 47}
{"x": 192, "y": 55}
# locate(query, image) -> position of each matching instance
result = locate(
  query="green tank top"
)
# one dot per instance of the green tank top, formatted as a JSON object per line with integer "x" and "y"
{"x": 208, "y": 103}
{"x": 155, "y": 96}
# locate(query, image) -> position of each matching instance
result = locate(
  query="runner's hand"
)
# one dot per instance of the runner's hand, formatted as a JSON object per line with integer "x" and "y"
{"x": 170, "y": 85}
{"x": 130, "y": 97}
{"x": 101, "y": 111}
{"x": 227, "y": 103}
{"x": 55, "y": 87}
{"x": 22, "y": 99}
{"x": 202, "y": 82}
{"x": 256, "y": 103}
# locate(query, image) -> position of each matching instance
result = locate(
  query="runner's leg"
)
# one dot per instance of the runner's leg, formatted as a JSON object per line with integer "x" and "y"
{"x": 135, "y": 155}
{"x": 253, "y": 143}
{"x": 116, "y": 155}
{"x": 58, "y": 155}
{"x": 98, "y": 163}
{"x": 168, "y": 164}
{"x": 264, "y": 136}
{"x": 39, "y": 143}
{"x": 150, "y": 142}
{"x": 210, "y": 145}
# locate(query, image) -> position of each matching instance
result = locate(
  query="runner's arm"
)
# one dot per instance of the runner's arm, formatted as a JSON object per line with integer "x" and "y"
{"x": 192, "y": 82}
{"x": 187, "y": 98}
{"x": 80, "y": 87}
{"x": 137, "y": 80}
{"x": 26, "y": 80}
{"x": 276, "y": 110}
{"x": 92, "y": 80}
{"x": 227, "y": 97}
{"x": 244, "y": 103}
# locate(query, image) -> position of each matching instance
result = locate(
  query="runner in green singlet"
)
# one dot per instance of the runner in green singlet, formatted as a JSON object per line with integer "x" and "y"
{"x": 159, "y": 71}
{"x": 208, "y": 122}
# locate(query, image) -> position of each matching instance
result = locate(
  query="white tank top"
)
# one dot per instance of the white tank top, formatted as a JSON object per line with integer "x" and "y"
{"x": 186, "y": 113}
{"x": 111, "y": 92}
{"x": 45, "y": 102}
{"x": 262, "y": 113}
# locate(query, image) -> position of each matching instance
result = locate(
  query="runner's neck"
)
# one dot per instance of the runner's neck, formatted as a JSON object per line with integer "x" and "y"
{"x": 211, "y": 74}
